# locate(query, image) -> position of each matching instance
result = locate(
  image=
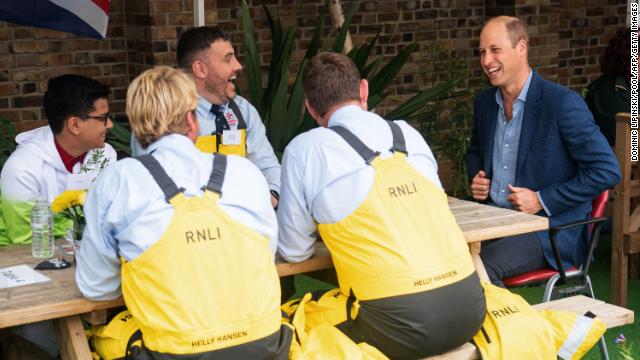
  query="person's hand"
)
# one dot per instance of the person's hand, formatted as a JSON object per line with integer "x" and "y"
{"x": 274, "y": 202}
{"x": 524, "y": 200}
{"x": 480, "y": 186}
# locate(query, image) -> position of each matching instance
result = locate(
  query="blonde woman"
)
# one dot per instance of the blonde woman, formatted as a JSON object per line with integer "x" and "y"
{"x": 186, "y": 237}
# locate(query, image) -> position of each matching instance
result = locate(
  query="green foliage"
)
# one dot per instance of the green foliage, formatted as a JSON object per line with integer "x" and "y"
{"x": 446, "y": 121}
{"x": 625, "y": 349}
{"x": 7, "y": 139}
{"x": 281, "y": 104}
{"x": 120, "y": 138}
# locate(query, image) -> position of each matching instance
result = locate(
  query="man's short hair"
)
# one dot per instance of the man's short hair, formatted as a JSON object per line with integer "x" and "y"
{"x": 194, "y": 40}
{"x": 71, "y": 95}
{"x": 330, "y": 79}
{"x": 517, "y": 31}
{"x": 157, "y": 103}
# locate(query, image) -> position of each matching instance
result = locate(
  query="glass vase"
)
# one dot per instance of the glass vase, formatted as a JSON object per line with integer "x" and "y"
{"x": 78, "y": 230}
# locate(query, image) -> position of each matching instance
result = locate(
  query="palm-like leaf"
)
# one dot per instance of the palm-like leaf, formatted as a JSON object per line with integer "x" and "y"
{"x": 251, "y": 60}
{"x": 282, "y": 107}
{"x": 120, "y": 138}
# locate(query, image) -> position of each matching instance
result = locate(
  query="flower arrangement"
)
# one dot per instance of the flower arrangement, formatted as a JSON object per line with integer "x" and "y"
{"x": 69, "y": 204}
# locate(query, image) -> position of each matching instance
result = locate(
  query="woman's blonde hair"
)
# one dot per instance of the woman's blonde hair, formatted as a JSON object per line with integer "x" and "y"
{"x": 157, "y": 102}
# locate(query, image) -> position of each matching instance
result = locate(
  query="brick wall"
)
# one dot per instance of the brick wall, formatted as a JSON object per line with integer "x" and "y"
{"x": 585, "y": 28}
{"x": 567, "y": 38}
{"x": 30, "y": 56}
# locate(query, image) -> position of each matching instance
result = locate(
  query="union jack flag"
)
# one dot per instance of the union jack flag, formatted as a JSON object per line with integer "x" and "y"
{"x": 81, "y": 17}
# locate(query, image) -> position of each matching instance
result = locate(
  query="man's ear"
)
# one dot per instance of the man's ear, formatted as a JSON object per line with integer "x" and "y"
{"x": 193, "y": 125}
{"x": 364, "y": 93}
{"x": 73, "y": 125}
{"x": 314, "y": 114}
{"x": 522, "y": 47}
{"x": 198, "y": 69}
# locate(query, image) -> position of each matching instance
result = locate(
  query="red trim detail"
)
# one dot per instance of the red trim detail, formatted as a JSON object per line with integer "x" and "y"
{"x": 103, "y": 4}
{"x": 535, "y": 276}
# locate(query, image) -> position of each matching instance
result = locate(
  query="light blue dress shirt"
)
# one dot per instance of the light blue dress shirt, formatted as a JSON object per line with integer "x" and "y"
{"x": 324, "y": 179}
{"x": 126, "y": 211}
{"x": 259, "y": 150}
{"x": 505, "y": 148}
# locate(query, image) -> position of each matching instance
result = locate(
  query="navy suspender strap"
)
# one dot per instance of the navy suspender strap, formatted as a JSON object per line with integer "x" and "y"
{"x": 398, "y": 138}
{"x": 169, "y": 188}
{"x": 217, "y": 174}
{"x": 236, "y": 111}
{"x": 367, "y": 154}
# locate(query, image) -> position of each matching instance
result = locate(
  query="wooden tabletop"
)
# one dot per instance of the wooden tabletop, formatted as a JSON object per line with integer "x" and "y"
{"x": 480, "y": 222}
{"x": 60, "y": 297}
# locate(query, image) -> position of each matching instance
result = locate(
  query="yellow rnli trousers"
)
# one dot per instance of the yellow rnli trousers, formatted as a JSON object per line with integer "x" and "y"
{"x": 208, "y": 288}
{"x": 407, "y": 283}
{"x": 514, "y": 330}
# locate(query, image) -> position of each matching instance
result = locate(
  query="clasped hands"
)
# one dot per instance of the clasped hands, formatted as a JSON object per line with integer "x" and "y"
{"x": 522, "y": 199}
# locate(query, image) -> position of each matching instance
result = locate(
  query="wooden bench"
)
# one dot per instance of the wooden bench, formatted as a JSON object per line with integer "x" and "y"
{"x": 612, "y": 315}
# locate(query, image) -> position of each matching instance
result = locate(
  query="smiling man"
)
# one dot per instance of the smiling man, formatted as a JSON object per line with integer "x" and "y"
{"x": 535, "y": 148}
{"x": 229, "y": 124}
{"x": 67, "y": 154}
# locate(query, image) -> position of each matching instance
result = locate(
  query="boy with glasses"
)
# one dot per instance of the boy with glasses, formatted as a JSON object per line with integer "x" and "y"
{"x": 67, "y": 154}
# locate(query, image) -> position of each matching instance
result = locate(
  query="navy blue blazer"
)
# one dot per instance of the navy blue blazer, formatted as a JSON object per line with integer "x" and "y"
{"x": 562, "y": 154}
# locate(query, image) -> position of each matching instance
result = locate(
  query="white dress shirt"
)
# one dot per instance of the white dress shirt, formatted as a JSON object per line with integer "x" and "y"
{"x": 325, "y": 180}
{"x": 126, "y": 210}
{"x": 259, "y": 150}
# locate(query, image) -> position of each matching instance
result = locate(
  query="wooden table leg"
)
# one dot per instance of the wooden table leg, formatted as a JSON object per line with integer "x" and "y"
{"x": 474, "y": 249}
{"x": 619, "y": 259}
{"x": 96, "y": 317}
{"x": 71, "y": 339}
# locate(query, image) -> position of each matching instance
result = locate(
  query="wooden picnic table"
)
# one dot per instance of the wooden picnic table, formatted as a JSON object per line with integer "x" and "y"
{"x": 60, "y": 300}
{"x": 478, "y": 223}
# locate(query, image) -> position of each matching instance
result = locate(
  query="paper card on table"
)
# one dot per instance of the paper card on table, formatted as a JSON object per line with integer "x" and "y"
{"x": 20, "y": 275}
{"x": 80, "y": 181}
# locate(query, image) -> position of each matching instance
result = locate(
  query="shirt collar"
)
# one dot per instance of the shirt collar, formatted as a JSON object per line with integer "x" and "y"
{"x": 204, "y": 106}
{"x": 343, "y": 112}
{"x": 523, "y": 93}
{"x": 176, "y": 142}
{"x": 68, "y": 160}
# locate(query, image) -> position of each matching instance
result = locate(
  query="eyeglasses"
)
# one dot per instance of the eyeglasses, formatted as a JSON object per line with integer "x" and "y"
{"x": 103, "y": 118}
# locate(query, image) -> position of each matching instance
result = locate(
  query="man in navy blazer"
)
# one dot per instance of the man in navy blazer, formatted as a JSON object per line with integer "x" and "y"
{"x": 535, "y": 148}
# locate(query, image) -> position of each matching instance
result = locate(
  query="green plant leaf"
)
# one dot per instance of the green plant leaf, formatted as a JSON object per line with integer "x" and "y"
{"x": 120, "y": 138}
{"x": 7, "y": 137}
{"x": 385, "y": 76}
{"x": 361, "y": 56}
{"x": 251, "y": 61}
{"x": 417, "y": 102}
{"x": 315, "y": 42}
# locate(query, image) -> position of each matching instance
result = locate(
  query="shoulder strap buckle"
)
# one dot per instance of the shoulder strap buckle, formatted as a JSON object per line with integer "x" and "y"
{"x": 217, "y": 174}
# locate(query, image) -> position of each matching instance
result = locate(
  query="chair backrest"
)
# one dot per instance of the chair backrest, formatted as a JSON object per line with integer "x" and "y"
{"x": 599, "y": 204}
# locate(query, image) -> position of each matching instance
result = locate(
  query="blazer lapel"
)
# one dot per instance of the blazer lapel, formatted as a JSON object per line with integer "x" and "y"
{"x": 530, "y": 121}
{"x": 490, "y": 122}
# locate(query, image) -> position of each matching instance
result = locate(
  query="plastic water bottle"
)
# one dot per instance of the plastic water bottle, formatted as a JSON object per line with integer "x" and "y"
{"x": 42, "y": 245}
